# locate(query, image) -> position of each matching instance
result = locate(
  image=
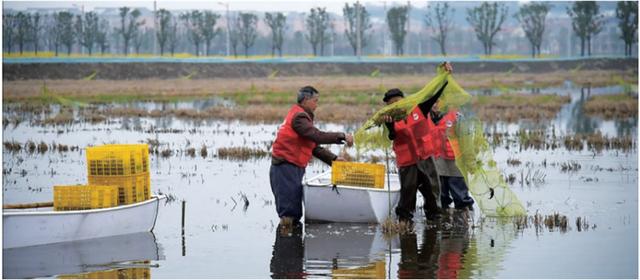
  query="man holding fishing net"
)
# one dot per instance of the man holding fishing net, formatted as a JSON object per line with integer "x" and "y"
{"x": 422, "y": 154}
{"x": 297, "y": 140}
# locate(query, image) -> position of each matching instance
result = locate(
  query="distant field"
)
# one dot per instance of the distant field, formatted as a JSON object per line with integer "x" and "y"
{"x": 279, "y": 90}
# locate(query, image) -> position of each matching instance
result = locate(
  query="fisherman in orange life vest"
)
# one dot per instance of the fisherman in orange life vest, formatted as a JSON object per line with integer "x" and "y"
{"x": 415, "y": 156}
{"x": 451, "y": 179}
{"x": 297, "y": 140}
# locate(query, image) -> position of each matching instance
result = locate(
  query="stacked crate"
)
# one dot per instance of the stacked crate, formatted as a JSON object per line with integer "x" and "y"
{"x": 82, "y": 197}
{"x": 124, "y": 166}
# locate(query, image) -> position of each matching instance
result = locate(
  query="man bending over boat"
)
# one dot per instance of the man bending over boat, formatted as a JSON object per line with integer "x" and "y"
{"x": 297, "y": 140}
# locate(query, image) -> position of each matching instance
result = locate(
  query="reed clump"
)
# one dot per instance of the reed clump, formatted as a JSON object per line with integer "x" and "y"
{"x": 391, "y": 227}
{"x": 203, "y": 151}
{"x": 513, "y": 162}
{"x": 570, "y": 166}
{"x": 191, "y": 152}
{"x": 240, "y": 153}
{"x": 12, "y": 146}
{"x": 532, "y": 139}
{"x": 59, "y": 119}
{"x": 553, "y": 222}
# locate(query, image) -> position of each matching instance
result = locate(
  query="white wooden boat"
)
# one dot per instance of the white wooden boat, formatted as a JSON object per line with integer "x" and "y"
{"x": 324, "y": 202}
{"x": 82, "y": 256}
{"x": 44, "y": 226}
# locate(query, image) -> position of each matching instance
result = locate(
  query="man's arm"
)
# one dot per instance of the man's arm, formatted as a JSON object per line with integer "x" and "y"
{"x": 425, "y": 107}
{"x": 324, "y": 155}
{"x": 303, "y": 125}
{"x": 392, "y": 130}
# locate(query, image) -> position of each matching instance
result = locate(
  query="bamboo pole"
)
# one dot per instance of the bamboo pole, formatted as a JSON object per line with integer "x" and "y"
{"x": 28, "y": 205}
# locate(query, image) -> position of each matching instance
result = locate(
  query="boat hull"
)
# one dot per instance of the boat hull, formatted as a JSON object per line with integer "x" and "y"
{"x": 347, "y": 204}
{"x": 31, "y": 228}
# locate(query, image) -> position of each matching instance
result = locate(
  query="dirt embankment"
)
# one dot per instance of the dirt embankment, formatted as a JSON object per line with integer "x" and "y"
{"x": 163, "y": 70}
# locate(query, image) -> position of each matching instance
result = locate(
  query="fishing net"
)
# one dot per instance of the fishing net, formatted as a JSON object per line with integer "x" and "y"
{"x": 473, "y": 156}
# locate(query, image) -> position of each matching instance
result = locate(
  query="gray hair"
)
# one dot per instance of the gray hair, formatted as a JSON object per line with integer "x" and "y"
{"x": 306, "y": 92}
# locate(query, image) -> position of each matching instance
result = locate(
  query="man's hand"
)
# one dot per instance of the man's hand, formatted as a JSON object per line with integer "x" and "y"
{"x": 349, "y": 139}
{"x": 387, "y": 119}
{"x": 340, "y": 159}
{"x": 447, "y": 67}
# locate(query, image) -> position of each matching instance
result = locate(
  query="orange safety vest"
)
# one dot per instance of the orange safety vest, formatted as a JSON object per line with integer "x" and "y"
{"x": 432, "y": 138}
{"x": 289, "y": 145}
{"x": 404, "y": 145}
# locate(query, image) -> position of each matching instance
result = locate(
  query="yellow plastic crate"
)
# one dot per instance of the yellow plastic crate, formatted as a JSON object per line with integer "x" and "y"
{"x": 357, "y": 174}
{"x": 81, "y": 197}
{"x": 118, "y": 159}
{"x": 131, "y": 188}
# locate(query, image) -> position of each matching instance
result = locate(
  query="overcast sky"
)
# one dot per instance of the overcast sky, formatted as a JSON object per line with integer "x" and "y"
{"x": 284, "y": 6}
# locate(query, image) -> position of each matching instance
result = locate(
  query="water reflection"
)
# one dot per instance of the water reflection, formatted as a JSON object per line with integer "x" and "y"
{"x": 330, "y": 250}
{"x": 579, "y": 122}
{"x": 346, "y": 250}
{"x": 287, "y": 260}
{"x": 441, "y": 252}
{"x": 111, "y": 257}
{"x": 120, "y": 273}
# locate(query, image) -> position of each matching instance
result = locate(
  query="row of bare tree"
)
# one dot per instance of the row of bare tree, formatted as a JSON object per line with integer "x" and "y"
{"x": 89, "y": 31}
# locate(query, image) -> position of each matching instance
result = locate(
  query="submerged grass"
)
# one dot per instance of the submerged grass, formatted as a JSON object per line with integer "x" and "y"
{"x": 240, "y": 153}
{"x": 541, "y": 140}
{"x": 391, "y": 227}
{"x": 617, "y": 106}
{"x": 552, "y": 222}
{"x": 511, "y": 107}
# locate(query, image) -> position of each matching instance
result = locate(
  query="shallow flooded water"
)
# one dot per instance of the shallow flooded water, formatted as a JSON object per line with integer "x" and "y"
{"x": 231, "y": 227}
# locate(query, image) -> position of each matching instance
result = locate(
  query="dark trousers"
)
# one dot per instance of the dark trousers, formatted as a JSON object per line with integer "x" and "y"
{"x": 454, "y": 187}
{"x": 416, "y": 178}
{"x": 286, "y": 185}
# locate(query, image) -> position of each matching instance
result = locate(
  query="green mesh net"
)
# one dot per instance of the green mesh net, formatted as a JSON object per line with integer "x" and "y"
{"x": 473, "y": 156}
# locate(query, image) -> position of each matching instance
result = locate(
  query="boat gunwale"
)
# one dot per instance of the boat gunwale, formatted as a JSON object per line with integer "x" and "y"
{"x": 308, "y": 184}
{"x": 88, "y": 211}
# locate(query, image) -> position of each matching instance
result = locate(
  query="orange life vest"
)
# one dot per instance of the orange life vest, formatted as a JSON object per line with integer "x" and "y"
{"x": 431, "y": 138}
{"x": 404, "y": 144}
{"x": 289, "y": 145}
